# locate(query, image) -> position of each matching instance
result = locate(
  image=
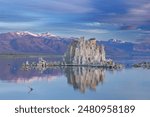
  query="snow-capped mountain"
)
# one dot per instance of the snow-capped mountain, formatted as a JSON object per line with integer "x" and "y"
{"x": 27, "y": 42}
{"x": 47, "y": 34}
{"x": 27, "y": 33}
{"x": 116, "y": 41}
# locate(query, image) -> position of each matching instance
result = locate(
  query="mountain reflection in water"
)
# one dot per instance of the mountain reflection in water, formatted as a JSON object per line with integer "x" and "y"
{"x": 11, "y": 71}
{"x": 80, "y": 78}
{"x": 70, "y": 82}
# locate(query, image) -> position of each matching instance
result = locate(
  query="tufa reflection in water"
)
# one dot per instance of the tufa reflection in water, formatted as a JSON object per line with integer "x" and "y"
{"x": 83, "y": 78}
{"x": 80, "y": 77}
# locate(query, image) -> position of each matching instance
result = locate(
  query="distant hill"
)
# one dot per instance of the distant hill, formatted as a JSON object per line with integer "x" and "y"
{"x": 26, "y": 42}
{"x": 46, "y": 43}
{"x": 120, "y": 49}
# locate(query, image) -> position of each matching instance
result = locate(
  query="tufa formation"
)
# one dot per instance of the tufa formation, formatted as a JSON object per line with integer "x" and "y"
{"x": 84, "y": 52}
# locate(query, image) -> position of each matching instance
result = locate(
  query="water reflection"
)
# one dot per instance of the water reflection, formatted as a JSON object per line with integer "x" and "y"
{"x": 11, "y": 71}
{"x": 70, "y": 82}
{"x": 80, "y": 78}
{"x": 83, "y": 78}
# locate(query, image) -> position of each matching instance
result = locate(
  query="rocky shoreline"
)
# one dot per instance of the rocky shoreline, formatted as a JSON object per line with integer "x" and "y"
{"x": 142, "y": 65}
{"x": 42, "y": 65}
{"x": 109, "y": 64}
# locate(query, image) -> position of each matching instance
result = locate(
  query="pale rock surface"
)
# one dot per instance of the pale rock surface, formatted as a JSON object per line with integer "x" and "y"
{"x": 84, "y": 52}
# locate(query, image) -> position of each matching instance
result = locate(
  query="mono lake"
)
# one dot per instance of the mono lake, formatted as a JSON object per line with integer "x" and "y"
{"x": 71, "y": 82}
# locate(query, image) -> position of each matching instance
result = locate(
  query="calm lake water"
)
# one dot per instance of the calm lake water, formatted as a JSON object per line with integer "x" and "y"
{"x": 71, "y": 82}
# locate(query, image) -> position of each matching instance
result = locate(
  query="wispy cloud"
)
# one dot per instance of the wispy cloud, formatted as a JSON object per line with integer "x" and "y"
{"x": 59, "y": 6}
{"x": 94, "y": 31}
{"x": 104, "y": 18}
{"x": 127, "y": 27}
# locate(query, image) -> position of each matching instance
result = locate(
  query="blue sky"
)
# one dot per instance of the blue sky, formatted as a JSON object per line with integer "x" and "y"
{"x": 103, "y": 19}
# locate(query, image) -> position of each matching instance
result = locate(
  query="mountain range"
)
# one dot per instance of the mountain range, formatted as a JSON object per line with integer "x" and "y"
{"x": 47, "y": 43}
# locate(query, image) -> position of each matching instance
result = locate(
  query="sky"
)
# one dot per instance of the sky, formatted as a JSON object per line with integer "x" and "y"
{"x": 126, "y": 20}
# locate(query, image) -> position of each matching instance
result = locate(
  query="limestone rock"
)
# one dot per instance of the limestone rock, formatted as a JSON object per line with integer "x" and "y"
{"x": 84, "y": 52}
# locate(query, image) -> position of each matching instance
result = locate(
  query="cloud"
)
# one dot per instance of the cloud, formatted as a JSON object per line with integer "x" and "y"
{"x": 72, "y": 6}
{"x": 52, "y": 11}
{"x": 99, "y": 17}
{"x": 58, "y": 6}
{"x": 95, "y": 31}
{"x": 101, "y": 25}
{"x": 127, "y": 27}
{"x": 121, "y": 12}
{"x": 94, "y": 24}
{"x": 141, "y": 12}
